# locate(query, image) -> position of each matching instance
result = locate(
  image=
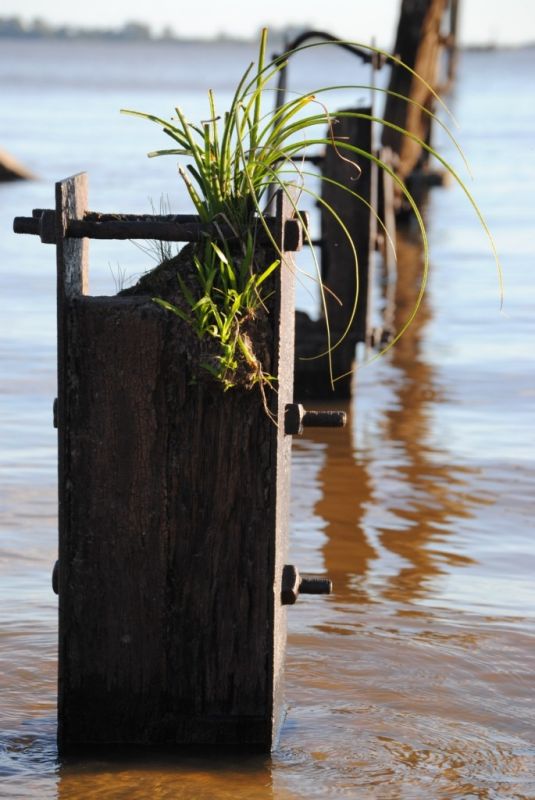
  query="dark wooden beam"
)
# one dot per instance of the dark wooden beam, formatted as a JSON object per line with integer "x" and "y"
{"x": 419, "y": 44}
{"x": 173, "y": 521}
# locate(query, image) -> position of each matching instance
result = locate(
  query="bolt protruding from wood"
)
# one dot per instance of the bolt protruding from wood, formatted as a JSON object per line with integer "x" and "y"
{"x": 42, "y": 223}
{"x": 315, "y": 584}
{"x": 294, "y": 584}
{"x": 55, "y": 578}
{"x": 296, "y": 419}
{"x": 324, "y": 419}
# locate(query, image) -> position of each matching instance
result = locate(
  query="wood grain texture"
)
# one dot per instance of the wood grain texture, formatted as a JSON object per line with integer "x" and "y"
{"x": 174, "y": 537}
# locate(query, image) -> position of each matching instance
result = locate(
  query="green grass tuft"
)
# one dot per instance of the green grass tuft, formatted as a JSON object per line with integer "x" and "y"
{"x": 233, "y": 164}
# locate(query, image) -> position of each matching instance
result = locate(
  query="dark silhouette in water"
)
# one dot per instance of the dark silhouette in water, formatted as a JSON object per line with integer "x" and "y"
{"x": 11, "y": 169}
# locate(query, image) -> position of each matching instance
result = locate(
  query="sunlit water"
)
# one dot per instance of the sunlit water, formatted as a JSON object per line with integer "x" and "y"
{"x": 415, "y": 678}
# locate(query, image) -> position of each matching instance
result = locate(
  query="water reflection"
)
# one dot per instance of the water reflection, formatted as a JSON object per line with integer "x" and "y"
{"x": 389, "y": 696}
{"x": 393, "y": 694}
{"x": 346, "y": 492}
{"x": 415, "y": 679}
{"x": 431, "y": 493}
{"x": 165, "y": 777}
{"x": 390, "y": 504}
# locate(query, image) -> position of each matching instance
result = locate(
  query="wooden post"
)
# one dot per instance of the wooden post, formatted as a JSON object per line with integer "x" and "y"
{"x": 72, "y": 282}
{"x": 339, "y": 271}
{"x": 173, "y": 522}
{"x": 419, "y": 43}
{"x": 338, "y": 265}
{"x": 386, "y": 241}
{"x": 173, "y": 504}
{"x": 452, "y": 45}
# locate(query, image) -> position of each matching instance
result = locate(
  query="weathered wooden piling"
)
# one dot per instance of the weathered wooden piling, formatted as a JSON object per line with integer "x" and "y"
{"x": 173, "y": 511}
{"x": 347, "y": 260}
{"x": 420, "y": 44}
{"x": 348, "y": 239}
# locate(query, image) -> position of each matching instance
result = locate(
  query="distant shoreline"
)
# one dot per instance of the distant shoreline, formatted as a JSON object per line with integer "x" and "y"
{"x": 130, "y": 31}
{"x": 117, "y": 39}
{"x": 14, "y": 28}
{"x": 224, "y": 40}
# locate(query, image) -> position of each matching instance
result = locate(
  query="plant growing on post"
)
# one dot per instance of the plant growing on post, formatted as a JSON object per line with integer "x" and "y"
{"x": 235, "y": 162}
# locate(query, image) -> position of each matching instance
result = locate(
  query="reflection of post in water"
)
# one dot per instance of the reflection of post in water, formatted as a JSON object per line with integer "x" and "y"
{"x": 430, "y": 491}
{"x": 346, "y": 491}
{"x": 426, "y": 494}
{"x": 190, "y": 773}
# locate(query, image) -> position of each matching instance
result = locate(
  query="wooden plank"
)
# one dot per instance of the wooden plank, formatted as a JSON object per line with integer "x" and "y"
{"x": 284, "y": 348}
{"x": 338, "y": 262}
{"x": 72, "y": 281}
{"x": 172, "y": 551}
{"x": 387, "y": 241}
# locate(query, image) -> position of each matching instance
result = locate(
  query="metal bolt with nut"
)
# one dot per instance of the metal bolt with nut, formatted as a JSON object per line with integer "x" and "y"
{"x": 294, "y": 584}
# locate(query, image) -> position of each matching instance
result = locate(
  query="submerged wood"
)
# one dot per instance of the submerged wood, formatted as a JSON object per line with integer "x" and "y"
{"x": 12, "y": 170}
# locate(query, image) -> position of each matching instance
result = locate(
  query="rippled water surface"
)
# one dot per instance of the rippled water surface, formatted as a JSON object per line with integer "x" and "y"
{"x": 415, "y": 678}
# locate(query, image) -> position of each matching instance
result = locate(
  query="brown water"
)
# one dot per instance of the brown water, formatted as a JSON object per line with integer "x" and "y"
{"x": 415, "y": 678}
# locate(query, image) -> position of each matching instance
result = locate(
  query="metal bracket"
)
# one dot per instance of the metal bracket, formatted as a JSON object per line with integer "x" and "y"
{"x": 174, "y": 228}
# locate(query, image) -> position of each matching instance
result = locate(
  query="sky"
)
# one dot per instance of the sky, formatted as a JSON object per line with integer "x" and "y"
{"x": 482, "y": 21}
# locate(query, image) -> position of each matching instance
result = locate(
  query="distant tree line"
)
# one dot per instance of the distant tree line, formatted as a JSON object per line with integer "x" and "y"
{"x": 16, "y": 28}
{"x": 38, "y": 28}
